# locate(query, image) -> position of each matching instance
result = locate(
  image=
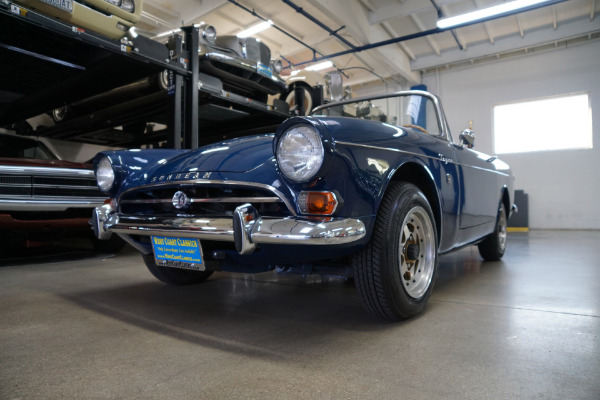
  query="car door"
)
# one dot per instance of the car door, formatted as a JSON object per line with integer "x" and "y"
{"x": 480, "y": 189}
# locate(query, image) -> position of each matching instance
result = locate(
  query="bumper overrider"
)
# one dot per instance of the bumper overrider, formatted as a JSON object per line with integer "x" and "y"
{"x": 246, "y": 229}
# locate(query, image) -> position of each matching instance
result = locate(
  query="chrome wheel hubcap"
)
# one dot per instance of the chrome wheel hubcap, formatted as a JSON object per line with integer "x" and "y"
{"x": 417, "y": 252}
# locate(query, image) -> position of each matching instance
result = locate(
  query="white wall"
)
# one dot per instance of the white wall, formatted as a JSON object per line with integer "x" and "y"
{"x": 563, "y": 186}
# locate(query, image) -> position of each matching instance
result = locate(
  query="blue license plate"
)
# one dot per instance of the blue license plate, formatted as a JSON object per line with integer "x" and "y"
{"x": 264, "y": 70}
{"x": 177, "y": 252}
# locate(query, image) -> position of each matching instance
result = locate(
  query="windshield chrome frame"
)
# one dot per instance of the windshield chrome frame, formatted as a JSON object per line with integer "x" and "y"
{"x": 436, "y": 101}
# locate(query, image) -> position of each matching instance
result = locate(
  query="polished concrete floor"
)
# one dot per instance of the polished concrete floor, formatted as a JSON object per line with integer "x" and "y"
{"x": 77, "y": 325}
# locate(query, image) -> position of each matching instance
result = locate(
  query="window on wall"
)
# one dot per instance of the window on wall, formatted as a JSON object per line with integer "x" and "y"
{"x": 556, "y": 123}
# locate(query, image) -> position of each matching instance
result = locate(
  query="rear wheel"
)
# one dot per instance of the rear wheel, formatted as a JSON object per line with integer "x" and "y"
{"x": 395, "y": 272}
{"x": 493, "y": 247}
{"x": 174, "y": 276}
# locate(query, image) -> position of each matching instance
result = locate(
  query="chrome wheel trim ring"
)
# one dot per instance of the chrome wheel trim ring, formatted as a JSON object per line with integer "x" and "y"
{"x": 502, "y": 232}
{"x": 416, "y": 252}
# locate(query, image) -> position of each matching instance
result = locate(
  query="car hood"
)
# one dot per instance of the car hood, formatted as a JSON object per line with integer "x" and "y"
{"x": 30, "y": 162}
{"x": 237, "y": 156}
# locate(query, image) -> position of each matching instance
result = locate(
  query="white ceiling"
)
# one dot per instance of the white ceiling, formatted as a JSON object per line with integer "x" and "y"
{"x": 363, "y": 22}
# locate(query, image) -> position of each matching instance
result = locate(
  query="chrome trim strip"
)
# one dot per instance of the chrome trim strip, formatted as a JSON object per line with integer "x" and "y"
{"x": 44, "y": 186}
{"x": 24, "y": 170}
{"x": 36, "y": 204}
{"x": 192, "y": 182}
{"x": 210, "y": 200}
{"x": 419, "y": 155}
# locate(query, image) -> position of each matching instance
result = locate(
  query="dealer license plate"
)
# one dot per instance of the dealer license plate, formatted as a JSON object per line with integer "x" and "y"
{"x": 177, "y": 252}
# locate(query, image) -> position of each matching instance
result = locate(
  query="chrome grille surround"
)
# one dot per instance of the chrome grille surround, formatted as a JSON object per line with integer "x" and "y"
{"x": 206, "y": 197}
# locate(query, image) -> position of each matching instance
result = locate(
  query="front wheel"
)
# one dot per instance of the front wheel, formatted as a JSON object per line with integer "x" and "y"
{"x": 174, "y": 276}
{"x": 493, "y": 247}
{"x": 395, "y": 272}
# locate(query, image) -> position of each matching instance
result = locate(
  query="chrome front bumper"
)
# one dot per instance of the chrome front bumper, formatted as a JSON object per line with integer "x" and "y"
{"x": 246, "y": 229}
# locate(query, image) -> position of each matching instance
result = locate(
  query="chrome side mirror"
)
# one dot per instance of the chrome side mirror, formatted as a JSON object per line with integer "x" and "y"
{"x": 467, "y": 138}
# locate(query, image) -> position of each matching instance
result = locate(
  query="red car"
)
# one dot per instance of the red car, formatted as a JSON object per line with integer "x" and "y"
{"x": 42, "y": 197}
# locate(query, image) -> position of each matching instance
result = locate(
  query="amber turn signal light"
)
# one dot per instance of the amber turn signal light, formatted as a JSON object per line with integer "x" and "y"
{"x": 321, "y": 203}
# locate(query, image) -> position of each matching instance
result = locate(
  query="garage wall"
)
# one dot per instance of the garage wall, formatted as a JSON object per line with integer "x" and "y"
{"x": 563, "y": 186}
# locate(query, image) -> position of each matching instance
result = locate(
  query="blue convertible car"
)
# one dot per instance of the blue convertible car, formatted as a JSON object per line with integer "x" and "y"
{"x": 373, "y": 188}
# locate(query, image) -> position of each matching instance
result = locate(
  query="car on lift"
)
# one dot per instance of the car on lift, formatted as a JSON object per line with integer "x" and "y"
{"x": 43, "y": 197}
{"x": 110, "y": 18}
{"x": 338, "y": 192}
{"x": 227, "y": 63}
{"x": 243, "y": 64}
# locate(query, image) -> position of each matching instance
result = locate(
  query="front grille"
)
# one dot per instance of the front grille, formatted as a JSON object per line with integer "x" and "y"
{"x": 33, "y": 186}
{"x": 258, "y": 51}
{"x": 210, "y": 200}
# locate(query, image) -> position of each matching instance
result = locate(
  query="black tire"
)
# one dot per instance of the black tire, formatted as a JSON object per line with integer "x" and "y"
{"x": 309, "y": 97}
{"x": 396, "y": 271}
{"x": 174, "y": 276}
{"x": 493, "y": 247}
{"x": 112, "y": 245}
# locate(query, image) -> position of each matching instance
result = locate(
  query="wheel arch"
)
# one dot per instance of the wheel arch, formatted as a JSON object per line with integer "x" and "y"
{"x": 421, "y": 177}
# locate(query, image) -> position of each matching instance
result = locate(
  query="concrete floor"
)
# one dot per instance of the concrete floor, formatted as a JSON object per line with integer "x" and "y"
{"x": 77, "y": 325}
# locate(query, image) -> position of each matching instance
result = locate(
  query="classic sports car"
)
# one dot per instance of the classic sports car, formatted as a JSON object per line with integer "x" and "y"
{"x": 42, "y": 197}
{"x": 111, "y": 18}
{"x": 376, "y": 200}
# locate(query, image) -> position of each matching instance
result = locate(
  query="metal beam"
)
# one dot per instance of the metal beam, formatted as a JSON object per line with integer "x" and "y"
{"x": 355, "y": 15}
{"x": 534, "y": 38}
{"x": 335, "y": 33}
{"x": 409, "y": 7}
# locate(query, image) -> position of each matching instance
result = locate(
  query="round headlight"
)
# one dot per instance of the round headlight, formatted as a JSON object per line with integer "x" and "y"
{"x": 105, "y": 176}
{"x": 209, "y": 34}
{"x": 300, "y": 153}
{"x": 277, "y": 66}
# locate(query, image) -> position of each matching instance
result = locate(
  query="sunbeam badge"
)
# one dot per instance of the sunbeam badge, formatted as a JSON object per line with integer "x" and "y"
{"x": 180, "y": 200}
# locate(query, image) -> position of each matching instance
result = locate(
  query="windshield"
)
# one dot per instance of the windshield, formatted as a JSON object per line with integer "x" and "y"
{"x": 409, "y": 110}
{"x": 20, "y": 147}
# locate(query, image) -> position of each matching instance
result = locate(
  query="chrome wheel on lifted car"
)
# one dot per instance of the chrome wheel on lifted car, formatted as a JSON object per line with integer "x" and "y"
{"x": 395, "y": 272}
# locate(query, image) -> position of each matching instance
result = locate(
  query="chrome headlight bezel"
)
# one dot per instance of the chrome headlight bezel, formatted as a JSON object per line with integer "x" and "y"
{"x": 209, "y": 33}
{"x": 277, "y": 66}
{"x": 105, "y": 175}
{"x": 300, "y": 152}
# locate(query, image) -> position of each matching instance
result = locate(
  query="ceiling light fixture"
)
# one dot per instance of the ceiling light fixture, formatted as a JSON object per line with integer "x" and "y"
{"x": 320, "y": 66}
{"x": 253, "y": 30}
{"x": 498, "y": 11}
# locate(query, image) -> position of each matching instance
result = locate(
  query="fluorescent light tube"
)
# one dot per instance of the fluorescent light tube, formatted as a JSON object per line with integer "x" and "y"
{"x": 320, "y": 66}
{"x": 253, "y": 30}
{"x": 486, "y": 13}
